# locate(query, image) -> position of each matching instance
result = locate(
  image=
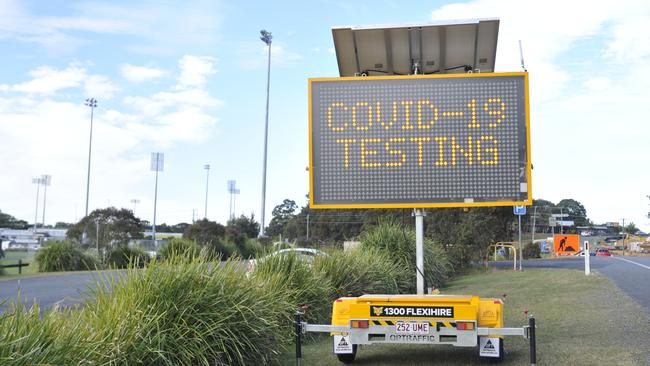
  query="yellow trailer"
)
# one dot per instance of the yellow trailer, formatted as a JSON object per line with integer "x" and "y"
{"x": 460, "y": 321}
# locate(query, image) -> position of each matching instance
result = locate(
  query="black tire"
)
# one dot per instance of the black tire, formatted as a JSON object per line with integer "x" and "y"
{"x": 348, "y": 357}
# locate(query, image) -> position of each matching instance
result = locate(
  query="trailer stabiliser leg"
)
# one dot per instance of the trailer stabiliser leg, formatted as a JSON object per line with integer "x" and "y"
{"x": 298, "y": 319}
{"x": 531, "y": 338}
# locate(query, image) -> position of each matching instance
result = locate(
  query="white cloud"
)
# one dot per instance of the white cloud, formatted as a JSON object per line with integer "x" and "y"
{"x": 195, "y": 70}
{"x": 141, "y": 73}
{"x": 49, "y": 81}
{"x": 152, "y": 25}
{"x": 586, "y": 101}
{"x": 43, "y": 133}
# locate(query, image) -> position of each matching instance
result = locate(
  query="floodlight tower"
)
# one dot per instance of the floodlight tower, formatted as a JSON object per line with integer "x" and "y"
{"x": 267, "y": 38}
{"x": 46, "y": 180}
{"x": 92, "y": 103}
{"x": 232, "y": 189}
{"x": 38, "y": 182}
{"x": 207, "y": 179}
{"x": 157, "y": 165}
{"x": 135, "y": 202}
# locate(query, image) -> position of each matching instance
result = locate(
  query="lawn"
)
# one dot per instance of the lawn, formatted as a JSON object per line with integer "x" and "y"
{"x": 580, "y": 321}
{"x": 12, "y": 257}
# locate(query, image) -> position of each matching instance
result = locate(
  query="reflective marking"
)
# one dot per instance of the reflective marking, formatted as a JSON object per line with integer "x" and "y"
{"x": 627, "y": 260}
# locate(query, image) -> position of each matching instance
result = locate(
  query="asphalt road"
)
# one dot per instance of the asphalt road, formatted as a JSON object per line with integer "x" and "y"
{"x": 630, "y": 274}
{"x": 61, "y": 288}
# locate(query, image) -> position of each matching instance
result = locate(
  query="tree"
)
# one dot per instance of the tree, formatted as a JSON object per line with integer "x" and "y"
{"x": 242, "y": 228}
{"x": 577, "y": 212}
{"x": 110, "y": 225}
{"x": 205, "y": 232}
{"x": 631, "y": 228}
{"x": 10, "y": 222}
{"x": 282, "y": 214}
{"x": 63, "y": 225}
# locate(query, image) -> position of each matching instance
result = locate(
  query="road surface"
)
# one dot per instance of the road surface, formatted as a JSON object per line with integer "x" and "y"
{"x": 630, "y": 274}
{"x": 62, "y": 288}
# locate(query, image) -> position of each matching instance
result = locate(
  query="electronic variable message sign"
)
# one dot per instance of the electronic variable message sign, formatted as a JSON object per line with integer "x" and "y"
{"x": 451, "y": 140}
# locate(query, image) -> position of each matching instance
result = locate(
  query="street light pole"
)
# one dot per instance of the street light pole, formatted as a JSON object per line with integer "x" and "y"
{"x": 207, "y": 180}
{"x": 267, "y": 38}
{"x": 92, "y": 103}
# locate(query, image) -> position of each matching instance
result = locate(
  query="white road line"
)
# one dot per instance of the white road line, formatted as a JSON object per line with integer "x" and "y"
{"x": 627, "y": 260}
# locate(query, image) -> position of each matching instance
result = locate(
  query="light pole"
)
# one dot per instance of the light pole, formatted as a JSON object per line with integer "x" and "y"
{"x": 92, "y": 103}
{"x": 207, "y": 180}
{"x": 157, "y": 165}
{"x": 135, "y": 202}
{"x": 38, "y": 182}
{"x": 267, "y": 38}
{"x": 47, "y": 180}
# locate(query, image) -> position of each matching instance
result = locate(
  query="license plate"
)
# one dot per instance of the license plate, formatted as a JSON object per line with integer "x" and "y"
{"x": 412, "y": 328}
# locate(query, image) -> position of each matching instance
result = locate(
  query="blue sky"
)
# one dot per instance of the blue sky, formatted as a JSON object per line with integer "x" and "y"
{"x": 189, "y": 79}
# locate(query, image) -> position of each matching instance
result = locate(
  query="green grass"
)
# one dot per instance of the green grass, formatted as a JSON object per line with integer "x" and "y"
{"x": 580, "y": 321}
{"x": 12, "y": 257}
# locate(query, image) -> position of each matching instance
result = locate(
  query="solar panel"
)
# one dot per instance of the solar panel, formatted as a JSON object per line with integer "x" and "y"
{"x": 444, "y": 47}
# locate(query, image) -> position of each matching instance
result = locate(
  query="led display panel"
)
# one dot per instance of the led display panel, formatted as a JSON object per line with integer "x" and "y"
{"x": 420, "y": 141}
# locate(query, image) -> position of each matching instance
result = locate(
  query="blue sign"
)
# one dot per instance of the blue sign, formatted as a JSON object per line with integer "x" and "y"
{"x": 519, "y": 210}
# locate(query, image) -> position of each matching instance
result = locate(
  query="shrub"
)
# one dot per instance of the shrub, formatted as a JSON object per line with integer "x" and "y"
{"x": 184, "y": 312}
{"x": 531, "y": 250}
{"x": 249, "y": 248}
{"x": 399, "y": 242}
{"x": 177, "y": 247}
{"x": 64, "y": 256}
{"x": 362, "y": 271}
{"x": 295, "y": 279}
{"x": 124, "y": 256}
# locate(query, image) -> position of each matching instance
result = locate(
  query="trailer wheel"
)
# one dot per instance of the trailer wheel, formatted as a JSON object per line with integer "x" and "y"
{"x": 348, "y": 357}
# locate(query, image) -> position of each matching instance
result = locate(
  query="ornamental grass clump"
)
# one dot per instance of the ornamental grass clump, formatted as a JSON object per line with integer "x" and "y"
{"x": 363, "y": 271}
{"x": 399, "y": 242}
{"x": 124, "y": 256}
{"x": 64, "y": 256}
{"x": 29, "y": 337}
{"x": 182, "y": 312}
{"x": 293, "y": 276}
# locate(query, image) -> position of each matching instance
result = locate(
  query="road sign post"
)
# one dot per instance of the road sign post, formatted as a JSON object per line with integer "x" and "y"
{"x": 587, "y": 255}
{"x": 520, "y": 211}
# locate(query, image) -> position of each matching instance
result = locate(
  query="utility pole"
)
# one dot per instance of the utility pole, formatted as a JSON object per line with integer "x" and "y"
{"x": 623, "y": 231}
{"x": 532, "y": 239}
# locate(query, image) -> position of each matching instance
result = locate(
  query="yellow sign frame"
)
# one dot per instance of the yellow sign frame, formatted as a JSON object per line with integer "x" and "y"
{"x": 526, "y": 202}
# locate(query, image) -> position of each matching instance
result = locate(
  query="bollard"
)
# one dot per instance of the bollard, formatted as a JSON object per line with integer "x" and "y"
{"x": 298, "y": 329}
{"x": 20, "y": 266}
{"x": 531, "y": 338}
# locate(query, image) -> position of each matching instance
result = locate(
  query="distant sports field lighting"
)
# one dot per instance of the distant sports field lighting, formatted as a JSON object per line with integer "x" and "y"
{"x": 92, "y": 103}
{"x": 266, "y": 37}
{"x": 207, "y": 179}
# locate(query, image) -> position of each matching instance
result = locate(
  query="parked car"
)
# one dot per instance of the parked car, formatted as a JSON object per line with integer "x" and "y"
{"x": 304, "y": 254}
{"x": 603, "y": 253}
